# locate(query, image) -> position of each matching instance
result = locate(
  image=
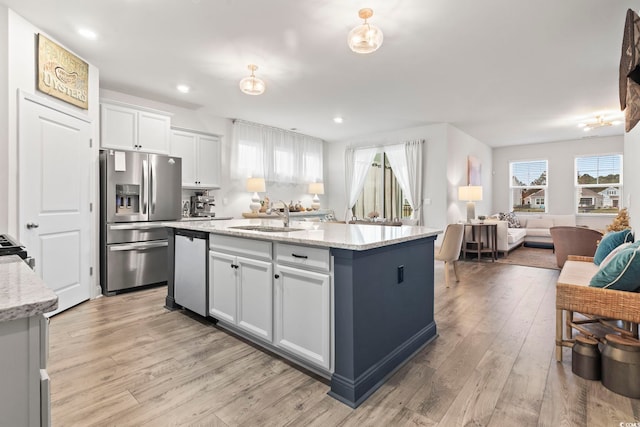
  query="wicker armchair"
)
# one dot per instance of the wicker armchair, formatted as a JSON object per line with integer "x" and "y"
{"x": 574, "y": 241}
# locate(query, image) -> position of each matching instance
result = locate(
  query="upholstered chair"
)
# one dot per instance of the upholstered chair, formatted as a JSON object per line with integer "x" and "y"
{"x": 574, "y": 241}
{"x": 450, "y": 249}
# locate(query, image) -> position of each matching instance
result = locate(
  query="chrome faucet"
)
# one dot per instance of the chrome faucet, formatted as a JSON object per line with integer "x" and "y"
{"x": 284, "y": 216}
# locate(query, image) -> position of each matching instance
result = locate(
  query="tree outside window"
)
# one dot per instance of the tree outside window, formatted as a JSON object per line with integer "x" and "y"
{"x": 598, "y": 184}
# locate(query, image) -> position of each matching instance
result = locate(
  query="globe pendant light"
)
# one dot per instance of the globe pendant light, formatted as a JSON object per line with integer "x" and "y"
{"x": 365, "y": 38}
{"x": 252, "y": 85}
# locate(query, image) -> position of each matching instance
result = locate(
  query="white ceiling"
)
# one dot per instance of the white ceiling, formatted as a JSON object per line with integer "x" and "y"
{"x": 504, "y": 71}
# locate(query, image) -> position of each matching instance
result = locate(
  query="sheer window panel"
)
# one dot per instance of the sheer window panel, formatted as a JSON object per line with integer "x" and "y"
{"x": 279, "y": 155}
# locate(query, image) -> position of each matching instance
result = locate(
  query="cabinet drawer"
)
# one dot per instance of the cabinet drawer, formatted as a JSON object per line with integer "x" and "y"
{"x": 240, "y": 246}
{"x": 303, "y": 256}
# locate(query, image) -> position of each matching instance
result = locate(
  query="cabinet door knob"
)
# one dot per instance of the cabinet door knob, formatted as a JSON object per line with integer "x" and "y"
{"x": 277, "y": 276}
{"x": 31, "y": 225}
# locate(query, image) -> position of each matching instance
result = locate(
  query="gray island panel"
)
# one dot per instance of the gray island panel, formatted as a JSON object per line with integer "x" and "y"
{"x": 382, "y": 317}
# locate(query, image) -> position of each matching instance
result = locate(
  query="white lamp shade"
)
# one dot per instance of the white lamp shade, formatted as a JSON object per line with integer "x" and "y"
{"x": 256, "y": 185}
{"x": 316, "y": 188}
{"x": 252, "y": 86}
{"x": 470, "y": 193}
{"x": 365, "y": 38}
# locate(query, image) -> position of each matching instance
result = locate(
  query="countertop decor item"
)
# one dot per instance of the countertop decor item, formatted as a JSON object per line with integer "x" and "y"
{"x": 316, "y": 188}
{"x": 255, "y": 185}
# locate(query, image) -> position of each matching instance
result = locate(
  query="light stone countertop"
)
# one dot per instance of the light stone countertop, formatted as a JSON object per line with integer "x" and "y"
{"x": 204, "y": 218}
{"x": 358, "y": 237}
{"x": 22, "y": 292}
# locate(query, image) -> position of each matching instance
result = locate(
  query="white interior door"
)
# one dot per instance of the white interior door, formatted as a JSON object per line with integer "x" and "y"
{"x": 54, "y": 216}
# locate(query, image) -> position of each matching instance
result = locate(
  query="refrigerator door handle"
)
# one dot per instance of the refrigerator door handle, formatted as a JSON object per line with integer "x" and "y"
{"x": 142, "y": 194}
{"x": 152, "y": 187}
{"x": 137, "y": 246}
{"x": 135, "y": 226}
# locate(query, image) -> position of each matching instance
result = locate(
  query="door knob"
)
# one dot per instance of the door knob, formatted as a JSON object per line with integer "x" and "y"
{"x": 31, "y": 225}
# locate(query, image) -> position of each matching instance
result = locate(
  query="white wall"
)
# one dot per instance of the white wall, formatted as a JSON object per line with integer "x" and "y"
{"x": 4, "y": 120}
{"x": 461, "y": 146}
{"x": 21, "y": 63}
{"x": 632, "y": 177}
{"x": 561, "y": 157}
{"x": 445, "y": 168}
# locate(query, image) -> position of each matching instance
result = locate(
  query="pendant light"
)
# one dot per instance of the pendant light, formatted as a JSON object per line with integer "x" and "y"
{"x": 252, "y": 85}
{"x": 365, "y": 38}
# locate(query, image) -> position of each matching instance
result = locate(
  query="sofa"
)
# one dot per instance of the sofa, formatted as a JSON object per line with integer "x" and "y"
{"x": 534, "y": 230}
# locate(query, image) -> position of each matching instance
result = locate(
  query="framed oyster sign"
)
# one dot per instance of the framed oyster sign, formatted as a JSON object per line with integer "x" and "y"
{"x": 62, "y": 74}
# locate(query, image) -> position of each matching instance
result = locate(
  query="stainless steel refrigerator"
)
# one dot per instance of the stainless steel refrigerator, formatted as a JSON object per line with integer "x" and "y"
{"x": 137, "y": 192}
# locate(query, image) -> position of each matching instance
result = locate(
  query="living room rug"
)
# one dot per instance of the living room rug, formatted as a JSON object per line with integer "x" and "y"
{"x": 531, "y": 257}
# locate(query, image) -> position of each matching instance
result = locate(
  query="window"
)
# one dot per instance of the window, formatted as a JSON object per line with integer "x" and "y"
{"x": 598, "y": 184}
{"x": 529, "y": 186}
{"x": 382, "y": 195}
{"x": 275, "y": 154}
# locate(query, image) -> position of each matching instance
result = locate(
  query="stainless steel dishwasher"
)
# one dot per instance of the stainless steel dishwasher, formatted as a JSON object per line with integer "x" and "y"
{"x": 191, "y": 271}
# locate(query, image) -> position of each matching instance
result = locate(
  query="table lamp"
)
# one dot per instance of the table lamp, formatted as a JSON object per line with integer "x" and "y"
{"x": 316, "y": 188}
{"x": 470, "y": 193}
{"x": 256, "y": 185}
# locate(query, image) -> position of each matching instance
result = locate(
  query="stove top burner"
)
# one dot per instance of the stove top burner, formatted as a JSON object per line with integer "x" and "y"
{"x": 9, "y": 246}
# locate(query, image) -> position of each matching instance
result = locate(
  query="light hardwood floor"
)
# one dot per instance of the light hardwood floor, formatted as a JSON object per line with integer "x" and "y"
{"x": 126, "y": 360}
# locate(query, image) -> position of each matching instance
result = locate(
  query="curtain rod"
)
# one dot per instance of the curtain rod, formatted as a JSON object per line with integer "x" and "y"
{"x": 273, "y": 127}
{"x": 421, "y": 140}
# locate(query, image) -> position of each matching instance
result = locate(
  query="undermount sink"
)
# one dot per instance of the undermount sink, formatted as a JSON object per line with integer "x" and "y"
{"x": 265, "y": 228}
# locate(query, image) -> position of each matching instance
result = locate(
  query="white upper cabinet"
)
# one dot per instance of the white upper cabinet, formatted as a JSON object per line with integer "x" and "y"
{"x": 200, "y": 155}
{"x": 126, "y": 127}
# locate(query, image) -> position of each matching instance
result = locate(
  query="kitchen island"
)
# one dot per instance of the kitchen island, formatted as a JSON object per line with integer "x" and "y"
{"x": 350, "y": 302}
{"x": 24, "y": 382}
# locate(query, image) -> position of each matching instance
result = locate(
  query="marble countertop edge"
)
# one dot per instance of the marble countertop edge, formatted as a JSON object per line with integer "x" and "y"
{"x": 22, "y": 292}
{"x": 323, "y": 234}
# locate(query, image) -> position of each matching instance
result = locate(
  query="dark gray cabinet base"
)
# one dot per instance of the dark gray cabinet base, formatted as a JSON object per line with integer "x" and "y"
{"x": 383, "y": 314}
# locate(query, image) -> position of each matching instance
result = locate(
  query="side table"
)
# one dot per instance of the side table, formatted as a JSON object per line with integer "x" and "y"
{"x": 491, "y": 234}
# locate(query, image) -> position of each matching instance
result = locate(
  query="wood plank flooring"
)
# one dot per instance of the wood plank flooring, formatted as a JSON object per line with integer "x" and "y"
{"x": 127, "y": 361}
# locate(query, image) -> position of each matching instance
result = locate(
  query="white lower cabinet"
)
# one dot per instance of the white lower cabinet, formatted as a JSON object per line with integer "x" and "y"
{"x": 24, "y": 381}
{"x": 241, "y": 292}
{"x": 222, "y": 287}
{"x": 302, "y": 309}
{"x": 284, "y": 300}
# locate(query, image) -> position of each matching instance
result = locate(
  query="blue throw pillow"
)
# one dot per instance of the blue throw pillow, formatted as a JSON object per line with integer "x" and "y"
{"x": 622, "y": 273}
{"x": 609, "y": 242}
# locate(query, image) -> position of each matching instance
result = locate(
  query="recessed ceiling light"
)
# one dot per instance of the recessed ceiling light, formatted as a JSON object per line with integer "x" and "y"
{"x": 87, "y": 34}
{"x": 183, "y": 88}
{"x": 337, "y": 119}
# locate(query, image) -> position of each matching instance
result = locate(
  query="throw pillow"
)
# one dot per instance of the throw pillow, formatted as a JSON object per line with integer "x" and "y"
{"x": 539, "y": 223}
{"x": 609, "y": 242}
{"x": 613, "y": 253}
{"x": 511, "y": 218}
{"x": 622, "y": 273}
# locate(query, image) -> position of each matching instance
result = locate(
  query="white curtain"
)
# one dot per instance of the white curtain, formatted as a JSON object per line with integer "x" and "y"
{"x": 406, "y": 162}
{"x": 275, "y": 154}
{"x": 413, "y": 150}
{"x": 357, "y": 163}
{"x": 247, "y": 153}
